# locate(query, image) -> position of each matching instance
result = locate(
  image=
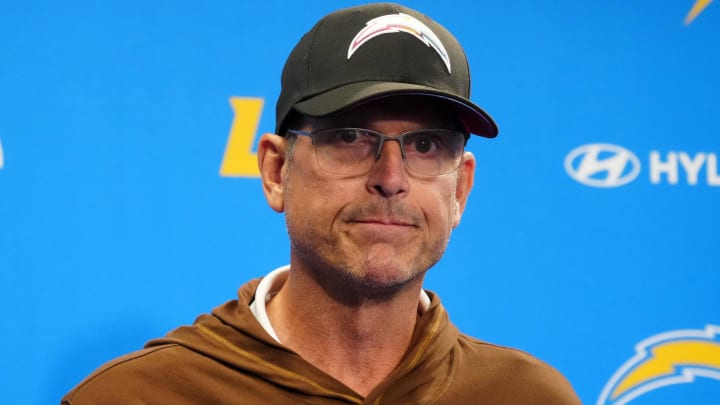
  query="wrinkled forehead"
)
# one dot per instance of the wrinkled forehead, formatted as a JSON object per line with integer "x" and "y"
{"x": 420, "y": 111}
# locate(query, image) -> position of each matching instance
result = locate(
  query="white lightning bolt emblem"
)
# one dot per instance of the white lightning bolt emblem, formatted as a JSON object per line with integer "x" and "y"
{"x": 394, "y": 23}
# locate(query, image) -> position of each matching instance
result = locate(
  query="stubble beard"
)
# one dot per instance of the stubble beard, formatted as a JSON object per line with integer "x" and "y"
{"x": 336, "y": 268}
{"x": 351, "y": 273}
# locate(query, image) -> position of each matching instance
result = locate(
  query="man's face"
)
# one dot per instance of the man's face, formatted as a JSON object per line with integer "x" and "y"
{"x": 381, "y": 230}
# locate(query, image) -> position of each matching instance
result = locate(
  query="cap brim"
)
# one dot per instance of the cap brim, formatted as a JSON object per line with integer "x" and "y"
{"x": 476, "y": 120}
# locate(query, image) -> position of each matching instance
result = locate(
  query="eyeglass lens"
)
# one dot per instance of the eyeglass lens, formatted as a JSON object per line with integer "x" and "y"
{"x": 353, "y": 151}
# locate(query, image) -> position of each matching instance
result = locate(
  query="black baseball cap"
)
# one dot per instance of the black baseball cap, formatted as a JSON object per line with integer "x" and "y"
{"x": 377, "y": 50}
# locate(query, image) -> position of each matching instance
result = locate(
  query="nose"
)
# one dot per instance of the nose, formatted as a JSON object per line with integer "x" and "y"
{"x": 388, "y": 176}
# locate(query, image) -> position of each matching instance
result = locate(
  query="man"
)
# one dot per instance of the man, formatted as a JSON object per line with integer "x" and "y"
{"x": 368, "y": 165}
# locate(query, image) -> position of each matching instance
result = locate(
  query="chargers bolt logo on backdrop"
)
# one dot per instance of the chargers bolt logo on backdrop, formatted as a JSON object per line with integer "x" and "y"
{"x": 394, "y": 23}
{"x": 675, "y": 357}
{"x": 602, "y": 165}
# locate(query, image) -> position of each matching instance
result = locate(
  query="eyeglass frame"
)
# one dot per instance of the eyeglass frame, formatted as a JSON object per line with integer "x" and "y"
{"x": 382, "y": 138}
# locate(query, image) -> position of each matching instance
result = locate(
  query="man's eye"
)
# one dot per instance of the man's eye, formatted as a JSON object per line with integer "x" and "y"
{"x": 425, "y": 144}
{"x": 348, "y": 136}
{"x": 339, "y": 137}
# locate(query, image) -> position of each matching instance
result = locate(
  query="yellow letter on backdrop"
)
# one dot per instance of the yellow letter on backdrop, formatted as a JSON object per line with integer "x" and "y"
{"x": 239, "y": 159}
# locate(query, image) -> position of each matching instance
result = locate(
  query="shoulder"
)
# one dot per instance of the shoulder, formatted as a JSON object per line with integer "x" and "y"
{"x": 507, "y": 371}
{"x": 129, "y": 377}
{"x": 500, "y": 358}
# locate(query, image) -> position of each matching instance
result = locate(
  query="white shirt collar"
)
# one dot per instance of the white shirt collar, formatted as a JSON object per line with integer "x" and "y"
{"x": 271, "y": 284}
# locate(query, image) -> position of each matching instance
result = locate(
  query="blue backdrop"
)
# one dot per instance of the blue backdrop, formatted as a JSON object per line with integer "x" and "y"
{"x": 128, "y": 206}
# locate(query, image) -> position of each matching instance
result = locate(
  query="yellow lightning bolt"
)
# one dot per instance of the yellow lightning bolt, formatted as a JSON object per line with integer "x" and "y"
{"x": 665, "y": 358}
{"x": 696, "y": 9}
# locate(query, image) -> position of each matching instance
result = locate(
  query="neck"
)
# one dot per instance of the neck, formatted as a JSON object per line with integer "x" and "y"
{"x": 358, "y": 341}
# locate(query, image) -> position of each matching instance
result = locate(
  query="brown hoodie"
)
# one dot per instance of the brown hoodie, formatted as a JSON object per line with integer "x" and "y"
{"x": 228, "y": 358}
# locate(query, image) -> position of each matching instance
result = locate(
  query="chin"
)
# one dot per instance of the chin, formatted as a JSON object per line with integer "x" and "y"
{"x": 382, "y": 279}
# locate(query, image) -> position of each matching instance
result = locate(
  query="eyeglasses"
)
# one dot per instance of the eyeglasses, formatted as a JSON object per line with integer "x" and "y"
{"x": 353, "y": 151}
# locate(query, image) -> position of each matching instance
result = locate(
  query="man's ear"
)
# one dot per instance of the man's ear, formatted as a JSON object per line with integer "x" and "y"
{"x": 466, "y": 177}
{"x": 272, "y": 162}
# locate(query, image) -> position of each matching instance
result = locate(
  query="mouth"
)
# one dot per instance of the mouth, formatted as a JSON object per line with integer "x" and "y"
{"x": 382, "y": 227}
{"x": 384, "y": 221}
{"x": 383, "y": 217}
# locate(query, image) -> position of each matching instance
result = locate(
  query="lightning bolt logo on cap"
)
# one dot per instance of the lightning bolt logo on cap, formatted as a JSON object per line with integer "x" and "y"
{"x": 674, "y": 357}
{"x": 394, "y": 23}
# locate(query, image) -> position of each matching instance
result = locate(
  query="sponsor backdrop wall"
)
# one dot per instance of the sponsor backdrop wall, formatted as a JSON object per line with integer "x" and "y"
{"x": 129, "y": 201}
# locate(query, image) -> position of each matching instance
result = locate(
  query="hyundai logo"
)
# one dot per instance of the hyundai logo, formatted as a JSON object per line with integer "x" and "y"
{"x": 602, "y": 165}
